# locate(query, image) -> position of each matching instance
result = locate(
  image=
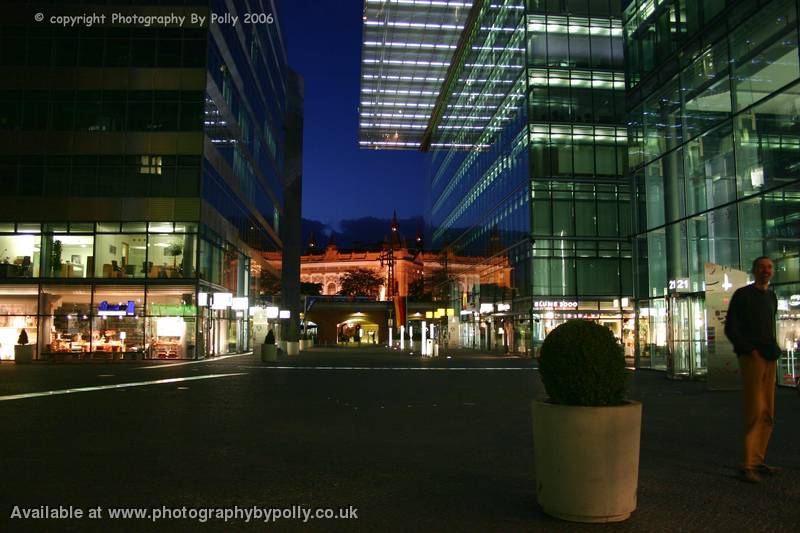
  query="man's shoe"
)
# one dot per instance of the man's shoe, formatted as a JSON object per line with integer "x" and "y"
{"x": 749, "y": 475}
{"x": 768, "y": 470}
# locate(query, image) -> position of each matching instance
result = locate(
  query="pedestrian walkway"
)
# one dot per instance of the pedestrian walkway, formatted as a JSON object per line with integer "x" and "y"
{"x": 443, "y": 450}
{"x": 690, "y": 449}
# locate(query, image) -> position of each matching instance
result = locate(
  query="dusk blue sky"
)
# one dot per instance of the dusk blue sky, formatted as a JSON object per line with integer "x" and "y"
{"x": 341, "y": 181}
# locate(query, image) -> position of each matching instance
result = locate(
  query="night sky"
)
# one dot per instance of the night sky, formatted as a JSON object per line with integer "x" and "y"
{"x": 341, "y": 181}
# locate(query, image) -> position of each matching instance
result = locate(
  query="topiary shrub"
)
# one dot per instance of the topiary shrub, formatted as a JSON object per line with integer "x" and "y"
{"x": 270, "y": 338}
{"x": 582, "y": 364}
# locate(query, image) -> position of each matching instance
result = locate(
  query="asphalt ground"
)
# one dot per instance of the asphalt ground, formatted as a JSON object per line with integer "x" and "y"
{"x": 413, "y": 444}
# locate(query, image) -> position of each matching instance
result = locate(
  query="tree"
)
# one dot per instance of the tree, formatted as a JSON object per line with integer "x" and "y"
{"x": 269, "y": 283}
{"x": 417, "y": 292}
{"x": 310, "y": 289}
{"x": 438, "y": 283}
{"x": 361, "y": 282}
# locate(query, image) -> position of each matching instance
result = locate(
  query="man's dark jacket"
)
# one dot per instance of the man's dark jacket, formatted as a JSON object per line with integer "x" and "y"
{"x": 750, "y": 323}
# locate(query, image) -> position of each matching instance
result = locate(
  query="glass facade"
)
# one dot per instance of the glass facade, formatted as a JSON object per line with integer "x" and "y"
{"x": 713, "y": 98}
{"x": 140, "y": 168}
{"x": 407, "y": 48}
{"x": 540, "y": 195}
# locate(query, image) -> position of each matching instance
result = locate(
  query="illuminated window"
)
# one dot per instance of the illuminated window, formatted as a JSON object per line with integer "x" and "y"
{"x": 150, "y": 164}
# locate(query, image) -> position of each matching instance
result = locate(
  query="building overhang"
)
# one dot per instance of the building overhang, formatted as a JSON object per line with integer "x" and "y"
{"x": 407, "y": 50}
{"x": 442, "y": 81}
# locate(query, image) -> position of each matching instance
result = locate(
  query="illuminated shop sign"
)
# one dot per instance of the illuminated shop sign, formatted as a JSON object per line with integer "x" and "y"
{"x": 172, "y": 309}
{"x": 555, "y": 304}
{"x": 107, "y": 309}
{"x": 794, "y": 300}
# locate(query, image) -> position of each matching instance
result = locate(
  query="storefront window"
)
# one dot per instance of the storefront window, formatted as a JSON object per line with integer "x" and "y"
{"x": 171, "y": 322}
{"x": 121, "y": 256}
{"x": 65, "y": 326}
{"x": 118, "y": 323}
{"x": 17, "y": 313}
{"x": 653, "y": 334}
{"x": 171, "y": 256}
{"x": 19, "y": 256}
{"x": 789, "y": 332}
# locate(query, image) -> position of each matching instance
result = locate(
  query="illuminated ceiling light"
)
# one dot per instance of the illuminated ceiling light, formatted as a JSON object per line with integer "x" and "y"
{"x": 438, "y": 3}
{"x": 407, "y": 62}
{"x": 400, "y": 126}
{"x": 421, "y": 25}
{"x": 411, "y": 45}
{"x": 398, "y": 104}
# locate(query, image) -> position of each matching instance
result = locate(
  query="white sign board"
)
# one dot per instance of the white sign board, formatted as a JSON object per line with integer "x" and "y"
{"x": 221, "y": 300}
{"x": 723, "y": 366}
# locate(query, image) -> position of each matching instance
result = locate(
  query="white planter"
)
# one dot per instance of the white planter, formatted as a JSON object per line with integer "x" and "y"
{"x": 23, "y": 353}
{"x": 587, "y": 460}
{"x": 292, "y": 348}
{"x": 303, "y": 344}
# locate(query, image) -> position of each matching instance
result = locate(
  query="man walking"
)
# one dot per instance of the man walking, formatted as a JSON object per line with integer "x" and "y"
{"x": 750, "y": 326}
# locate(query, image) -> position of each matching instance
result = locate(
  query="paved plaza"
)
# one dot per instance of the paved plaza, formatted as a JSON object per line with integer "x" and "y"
{"x": 412, "y": 444}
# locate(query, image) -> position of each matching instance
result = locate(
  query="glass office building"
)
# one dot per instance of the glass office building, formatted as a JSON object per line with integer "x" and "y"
{"x": 142, "y": 176}
{"x": 536, "y": 96}
{"x": 713, "y": 91}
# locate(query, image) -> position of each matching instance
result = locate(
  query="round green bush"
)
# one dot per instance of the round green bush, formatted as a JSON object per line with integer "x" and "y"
{"x": 582, "y": 364}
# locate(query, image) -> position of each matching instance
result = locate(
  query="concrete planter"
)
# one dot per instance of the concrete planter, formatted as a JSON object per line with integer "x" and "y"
{"x": 23, "y": 353}
{"x": 269, "y": 352}
{"x": 303, "y": 344}
{"x": 292, "y": 348}
{"x": 587, "y": 460}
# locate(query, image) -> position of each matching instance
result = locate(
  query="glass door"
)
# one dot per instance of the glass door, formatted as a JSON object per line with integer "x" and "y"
{"x": 687, "y": 336}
